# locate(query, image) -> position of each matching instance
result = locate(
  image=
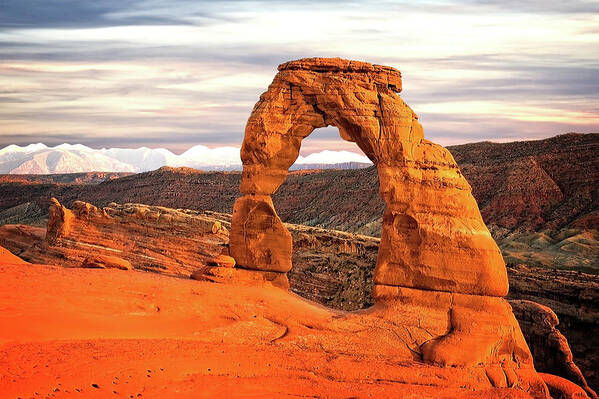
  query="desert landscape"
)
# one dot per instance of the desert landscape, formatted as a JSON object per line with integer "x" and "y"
{"x": 380, "y": 281}
{"x": 316, "y": 199}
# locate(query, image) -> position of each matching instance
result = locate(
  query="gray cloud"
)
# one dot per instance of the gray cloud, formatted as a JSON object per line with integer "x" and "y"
{"x": 89, "y": 14}
{"x": 54, "y": 97}
{"x": 541, "y": 6}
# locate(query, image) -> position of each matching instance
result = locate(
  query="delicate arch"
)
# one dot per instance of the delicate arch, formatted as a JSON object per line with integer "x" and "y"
{"x": 433, "y": 236}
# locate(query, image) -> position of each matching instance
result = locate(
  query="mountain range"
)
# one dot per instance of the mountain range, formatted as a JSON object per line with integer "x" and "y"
{"x": 76, "y": 158}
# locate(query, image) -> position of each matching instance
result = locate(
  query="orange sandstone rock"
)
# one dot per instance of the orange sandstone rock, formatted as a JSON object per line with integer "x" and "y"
{"x": 560, "y": 388}
{"x": 197, "y": 340}
{"x": 240, "y": 276}
{"x": 59, "y": 221}
{"x": 222, "y": 261}
{"x": 433, "y": 236}
{"x": 439, "y": 273}
{"x": 152, "y": 238}
{"x": 549, "y": 346}
{"x": 261, "y": 241}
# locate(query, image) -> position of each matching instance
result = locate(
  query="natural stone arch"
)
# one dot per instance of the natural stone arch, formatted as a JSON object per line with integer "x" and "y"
{"x": 433, "y": 236}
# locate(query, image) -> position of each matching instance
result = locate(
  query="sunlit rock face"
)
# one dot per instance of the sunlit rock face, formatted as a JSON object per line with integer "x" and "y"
{"x": 433, "y": 236}
{"x": 152, "y": 238}
{"x": 439, "y": 274}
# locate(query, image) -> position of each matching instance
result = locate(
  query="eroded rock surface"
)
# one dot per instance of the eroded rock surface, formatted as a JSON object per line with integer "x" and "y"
{"x": 438, "y": 273}
{"x": 175, "y": 242}
{"x": 433, "y": 236}
{"x": 330, "y": 267}
{"x": 7, "y": 257}
{"x": 548, "y": 345}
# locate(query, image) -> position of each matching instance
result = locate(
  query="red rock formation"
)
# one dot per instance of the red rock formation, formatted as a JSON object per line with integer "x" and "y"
{"x": 427, "y": 242}
{"x": 541, "y": 184}
{"x": 574, "y": 298}
{"x": 175, "y": 242}
{"x": 106, "y": 262}
{"x": 311, "y": 280}
{"x": 19, "y": 238}
{"x": 560, "y": 388}
{"x": 153, "y": 336}
{"x": 438, "y": 269}
{"x": 549, "y": 347}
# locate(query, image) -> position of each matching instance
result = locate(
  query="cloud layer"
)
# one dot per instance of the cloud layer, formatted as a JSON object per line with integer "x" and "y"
{"x": 171, "y": 74}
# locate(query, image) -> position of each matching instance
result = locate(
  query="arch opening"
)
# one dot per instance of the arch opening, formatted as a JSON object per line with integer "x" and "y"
{"x": 331, "y": 264}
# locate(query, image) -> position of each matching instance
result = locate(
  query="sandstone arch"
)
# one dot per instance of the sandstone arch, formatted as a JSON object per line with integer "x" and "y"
{"x": 433, "y": 236}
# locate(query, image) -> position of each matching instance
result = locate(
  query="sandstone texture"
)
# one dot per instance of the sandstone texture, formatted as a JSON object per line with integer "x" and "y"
{"x": 560, "y": 388}
{"x": 433, "y": 236}
{"x": 438, "y": 272}
{"x": 175, "y": 242}
{"x": 548, "y": 345}
{"x": 148, "y": 335}
{"x": 106, "y": 262}
{"x": 574, "y": 298}
{"x": 528, "y": 192}
{"x": 7, "y": 257}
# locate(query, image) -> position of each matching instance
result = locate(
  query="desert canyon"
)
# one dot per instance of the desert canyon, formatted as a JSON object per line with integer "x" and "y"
{"x": 135, "y": 289}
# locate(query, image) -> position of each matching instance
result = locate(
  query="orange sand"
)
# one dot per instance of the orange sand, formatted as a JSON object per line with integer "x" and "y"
{"x": 137, "y": 334}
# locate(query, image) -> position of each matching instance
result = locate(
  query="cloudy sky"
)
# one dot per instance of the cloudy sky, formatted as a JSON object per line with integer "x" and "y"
{"x": 174, "y": 73}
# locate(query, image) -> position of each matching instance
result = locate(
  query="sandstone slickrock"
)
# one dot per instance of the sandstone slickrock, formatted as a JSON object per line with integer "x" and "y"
{"x": 175, "y": 242}
{"x": 200, "y": 340}
{"x": 330, "y": 267}
{"x": 7, "y": 257}
{"x": 106, "y": 262}
{"x": 438, "y": 270}
{"x": 228, "y": 275}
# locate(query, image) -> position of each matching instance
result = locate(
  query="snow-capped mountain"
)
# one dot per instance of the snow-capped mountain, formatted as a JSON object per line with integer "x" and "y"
{"x": 65, "y": 158}
{"x": 70, "y": 158}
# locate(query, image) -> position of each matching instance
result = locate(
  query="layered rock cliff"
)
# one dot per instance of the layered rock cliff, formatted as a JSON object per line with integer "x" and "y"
{"x": 174, "y": 242}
